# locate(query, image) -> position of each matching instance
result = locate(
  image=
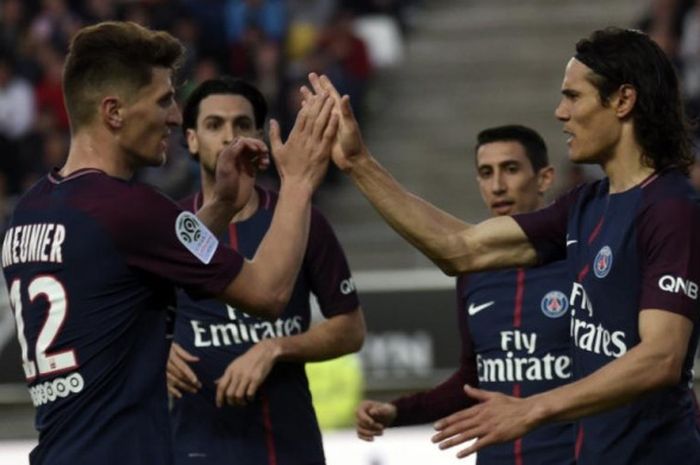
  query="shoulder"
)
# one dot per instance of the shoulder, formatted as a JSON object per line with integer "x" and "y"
{"x": 192, "y": 202}
{"x": 669, "y": 197}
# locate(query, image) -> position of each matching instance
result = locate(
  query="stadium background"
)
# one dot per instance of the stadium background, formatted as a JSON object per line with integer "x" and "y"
{"x": 424, "y": 75}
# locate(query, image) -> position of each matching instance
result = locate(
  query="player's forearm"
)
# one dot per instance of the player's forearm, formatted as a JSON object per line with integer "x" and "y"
{"x": 279, "y": 256}
{"x": 431, "y": 230}
{"x": 438, "y": 402}
{"x": 216, "y": 215}
{"x": 641, "y": 370}
{"x": 334, "y": 337}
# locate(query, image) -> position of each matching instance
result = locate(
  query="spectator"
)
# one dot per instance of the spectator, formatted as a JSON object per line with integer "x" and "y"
{"x": 17, "y": 115}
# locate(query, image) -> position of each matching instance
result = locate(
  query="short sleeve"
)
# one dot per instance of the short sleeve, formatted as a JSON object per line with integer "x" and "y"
{"x": 448, "y": 397}
{"x": 668, "y": 237}
{"x": 327, "y": 269}
{"x": 546, "y": 228}
{"x": 149, "y": 230}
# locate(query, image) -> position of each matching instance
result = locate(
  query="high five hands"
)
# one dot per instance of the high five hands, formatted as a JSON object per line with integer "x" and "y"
{"x": 348, "y": 148}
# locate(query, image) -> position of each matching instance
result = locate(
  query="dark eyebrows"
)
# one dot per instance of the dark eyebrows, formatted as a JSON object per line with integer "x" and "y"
{"x": 570, "y": 93}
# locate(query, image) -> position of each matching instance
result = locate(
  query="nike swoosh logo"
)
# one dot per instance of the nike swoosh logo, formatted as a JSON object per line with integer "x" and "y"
{"x": 474, "y": 309}
{"x": 568, "y": 243}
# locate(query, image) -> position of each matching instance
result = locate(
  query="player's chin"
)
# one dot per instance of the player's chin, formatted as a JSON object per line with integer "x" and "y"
{"x": 157, "y": 159}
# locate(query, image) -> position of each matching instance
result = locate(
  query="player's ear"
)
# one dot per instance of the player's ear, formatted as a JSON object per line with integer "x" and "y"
{"x": 545, "y": 179}
{"x": 192, "y": 143}
{"x": 112, "y": 112}
{"x": 624, "y": 100}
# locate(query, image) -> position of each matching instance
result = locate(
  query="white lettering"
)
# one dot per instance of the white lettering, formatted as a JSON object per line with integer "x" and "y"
{"x": 33, "y": 243}
{"x": 676, "y": 285}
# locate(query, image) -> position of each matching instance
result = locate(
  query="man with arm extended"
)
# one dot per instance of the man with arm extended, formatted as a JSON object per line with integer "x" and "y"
{"x": 514, "y": 323}
{"x": 632, "y": 245}
{"x": 92, "y": 257}
{"x": 244, "y": 392}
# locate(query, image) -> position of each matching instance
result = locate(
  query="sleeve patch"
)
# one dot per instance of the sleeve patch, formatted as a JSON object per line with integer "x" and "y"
{"x": 195, "y": 236}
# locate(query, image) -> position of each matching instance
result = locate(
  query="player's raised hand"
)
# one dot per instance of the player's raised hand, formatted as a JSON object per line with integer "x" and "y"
{"x": 305, "y": 155}
{"x": 348, "y": 147}
{"x": 245, "y": 374}
{"x": 495, "y": 419}
{"x": 235, "y": 169}
{"x": 372, "y": 417}
{"x": 180, "y": 376}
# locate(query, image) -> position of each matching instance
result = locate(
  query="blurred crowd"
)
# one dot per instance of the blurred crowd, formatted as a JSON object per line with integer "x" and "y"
{"x": 271, "y": 43}
{"x": 675, "y": 26}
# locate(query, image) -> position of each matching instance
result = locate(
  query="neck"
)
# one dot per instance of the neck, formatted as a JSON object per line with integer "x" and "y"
{"x": 89, "y": 150}
{"x": 244, "y": 213}
{"x": 626, "y": 170}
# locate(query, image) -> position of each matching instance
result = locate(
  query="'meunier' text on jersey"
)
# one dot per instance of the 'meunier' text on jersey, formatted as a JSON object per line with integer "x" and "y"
{"x": 90, "y": 262}
{"x": 279, "y": 426}
{"x": 630, "y": 251}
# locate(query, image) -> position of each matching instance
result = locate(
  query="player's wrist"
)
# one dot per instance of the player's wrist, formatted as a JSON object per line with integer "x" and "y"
{"x": 275, "y": 348}
{"x": 359, "y": 163}
{"x": 297, "y": 187}
{"x": 539, "y": 412}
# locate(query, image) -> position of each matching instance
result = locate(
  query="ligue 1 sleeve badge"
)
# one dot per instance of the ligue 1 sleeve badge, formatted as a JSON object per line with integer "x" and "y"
{"x": 554, "y": 304}
{"x": 603, "y": 262}
{"x": 195, "y": 236}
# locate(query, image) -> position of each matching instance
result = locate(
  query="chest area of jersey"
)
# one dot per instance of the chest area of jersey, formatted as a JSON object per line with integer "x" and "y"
{"x": 517, "y": 311}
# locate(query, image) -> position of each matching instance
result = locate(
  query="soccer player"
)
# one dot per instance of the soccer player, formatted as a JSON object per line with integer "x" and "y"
{"x": 632, "y": 244}
{"x": 514, "y": 323}
{"x": 246, "y": 395}
{"x": 91, "y": 257}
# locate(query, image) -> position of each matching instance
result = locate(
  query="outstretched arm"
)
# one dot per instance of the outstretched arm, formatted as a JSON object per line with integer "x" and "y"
{"x": 265, "y": 283}
{"x": 456, "y": 247}
{"x": 654, "y": 363}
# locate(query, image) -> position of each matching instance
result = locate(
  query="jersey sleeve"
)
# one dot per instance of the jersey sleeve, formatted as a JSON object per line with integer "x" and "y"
{"x": 327, "y": 269}
{"x": 668, "y": 238}
{"x": 159, "y": 238}
{"x": 546, "y": 228}
{"x": 447, "y": 397}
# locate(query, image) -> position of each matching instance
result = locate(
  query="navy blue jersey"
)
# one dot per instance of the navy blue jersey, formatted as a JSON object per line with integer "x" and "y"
{"x": 90, "y": 262}
{"x": 514, "y": 327}
{"x": 634, "y": 250}
{"x": 279, "y": 426}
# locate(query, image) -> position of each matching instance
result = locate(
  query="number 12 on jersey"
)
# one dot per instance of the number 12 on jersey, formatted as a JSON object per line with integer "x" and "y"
{"x": 52, "y": 290}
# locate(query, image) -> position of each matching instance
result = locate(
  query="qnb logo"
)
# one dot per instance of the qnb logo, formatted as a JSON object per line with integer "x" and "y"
{"x": 678, "y": 285}
{"x": 347, "y": 286}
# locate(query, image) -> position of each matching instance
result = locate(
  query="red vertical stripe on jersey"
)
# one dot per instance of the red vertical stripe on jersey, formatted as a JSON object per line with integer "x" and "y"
{"x": 582, "y": 274}
{"x": 596, "y": 230}
{"x": 267, "y": 424}
{"x": 519, "y": 291}
{"x": 233, "y": 236}
{"x": 579, "y": 442}
{"x": 518, "y": 443}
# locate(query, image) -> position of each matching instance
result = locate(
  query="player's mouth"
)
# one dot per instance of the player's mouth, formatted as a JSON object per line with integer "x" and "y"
{"x": 164, "y": 142}
{"x": 570, "y": 137}
{"x": 502, "y": 207}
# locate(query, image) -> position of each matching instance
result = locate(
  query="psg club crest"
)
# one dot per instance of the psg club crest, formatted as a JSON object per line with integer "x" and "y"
{"x": 554, "y": 304}
{"x": 603, "y": 262}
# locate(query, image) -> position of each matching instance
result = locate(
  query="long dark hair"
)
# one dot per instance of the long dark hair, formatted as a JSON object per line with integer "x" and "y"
{"x": 624, "y": 56}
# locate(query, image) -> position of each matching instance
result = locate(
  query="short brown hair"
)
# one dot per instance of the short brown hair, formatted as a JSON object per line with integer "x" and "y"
{"x": 112, "y": 54}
